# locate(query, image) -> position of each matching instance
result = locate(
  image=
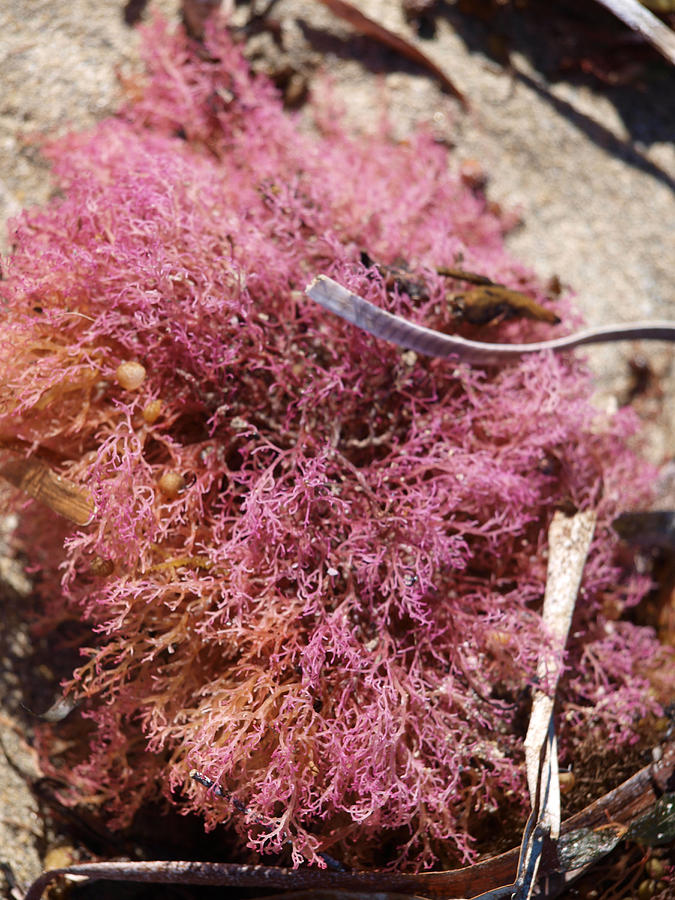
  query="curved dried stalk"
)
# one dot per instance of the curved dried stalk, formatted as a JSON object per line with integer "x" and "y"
{"x": 380, "y": 323}
{"x": 637, "y": 809}
{"x": 640, "y": 19}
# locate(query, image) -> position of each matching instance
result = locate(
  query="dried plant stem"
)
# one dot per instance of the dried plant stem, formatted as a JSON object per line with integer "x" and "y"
{"x": 637, "y": 17}
{"x": 628, "y": 810}
{"x": 365, "y": 315}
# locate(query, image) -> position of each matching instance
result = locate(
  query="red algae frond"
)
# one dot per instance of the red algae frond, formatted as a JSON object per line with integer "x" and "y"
{"x": 314, "y": 565}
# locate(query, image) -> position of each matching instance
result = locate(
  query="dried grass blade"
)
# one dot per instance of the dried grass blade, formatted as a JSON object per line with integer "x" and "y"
{"x": 569, "y": 542}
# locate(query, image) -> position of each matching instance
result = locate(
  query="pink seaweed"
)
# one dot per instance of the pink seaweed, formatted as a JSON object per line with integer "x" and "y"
{"x": 336, "y": 616}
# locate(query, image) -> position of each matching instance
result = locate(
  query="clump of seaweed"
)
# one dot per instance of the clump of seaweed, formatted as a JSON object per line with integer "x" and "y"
{"x": 315, "y": 562}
